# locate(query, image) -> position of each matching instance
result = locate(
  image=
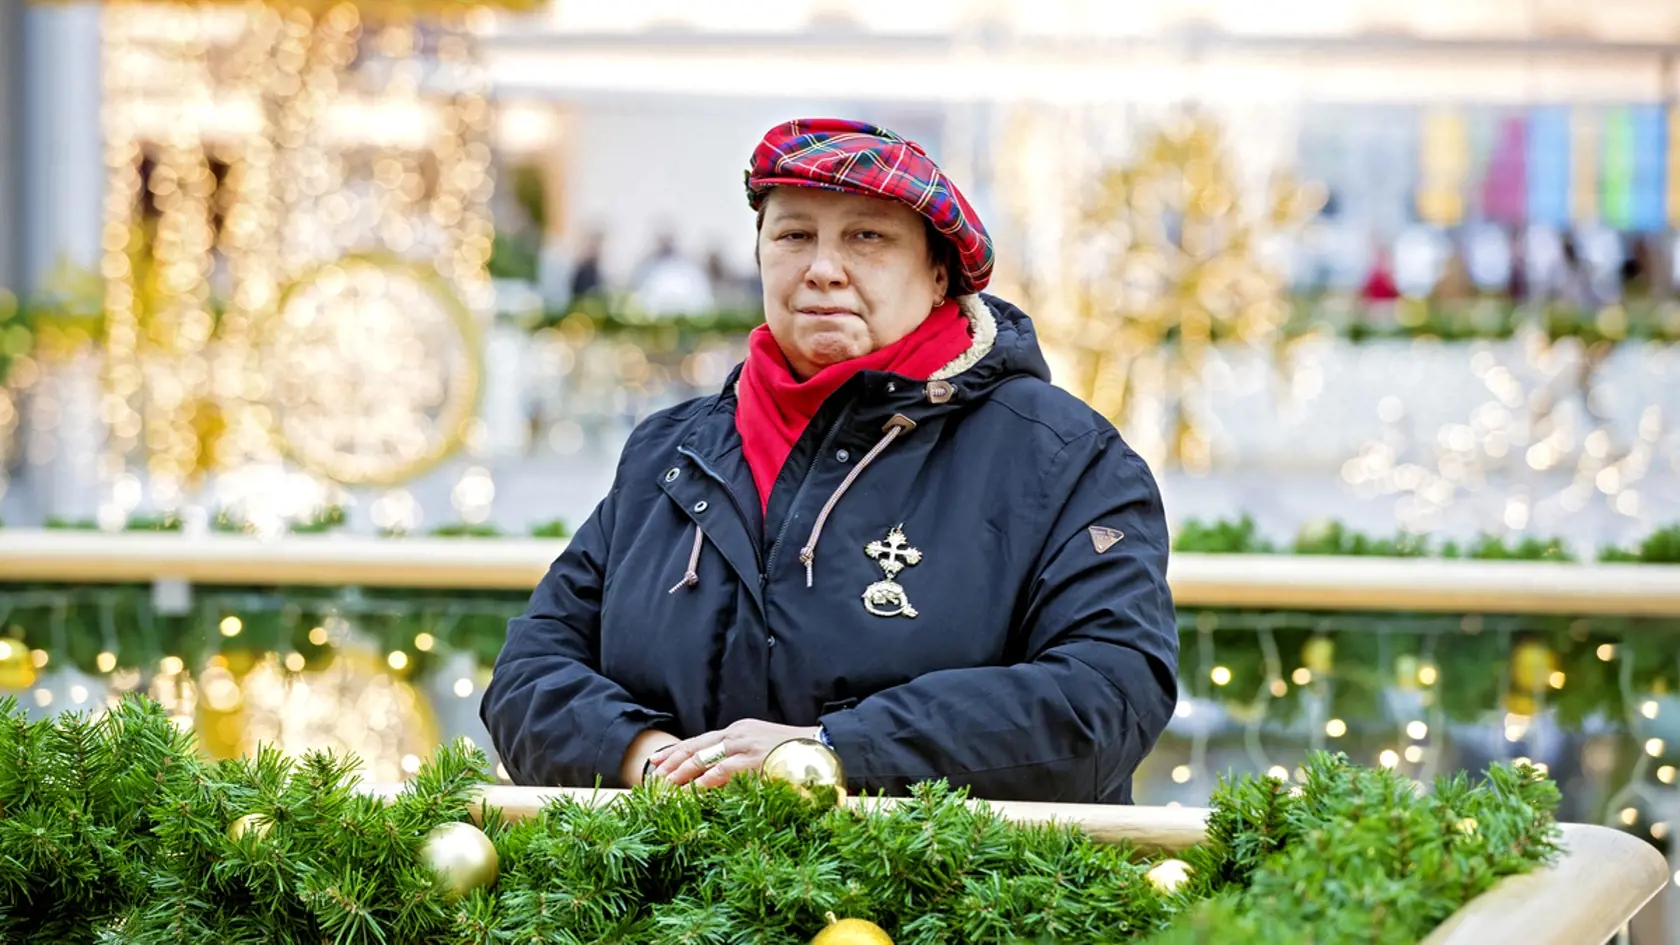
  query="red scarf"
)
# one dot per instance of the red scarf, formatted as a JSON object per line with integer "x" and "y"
{"x": 775, "y": 407}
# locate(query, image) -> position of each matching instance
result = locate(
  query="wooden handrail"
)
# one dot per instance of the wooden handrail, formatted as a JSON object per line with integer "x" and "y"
{"x": 1276, "y": 582}
{"x": 1599, "y": 883}
{"x": 1602, "y": 877}
{"x": 1161, "y": 828}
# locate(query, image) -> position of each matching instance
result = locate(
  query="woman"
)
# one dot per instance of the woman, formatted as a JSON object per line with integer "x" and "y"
{"x": 888, "y": 531}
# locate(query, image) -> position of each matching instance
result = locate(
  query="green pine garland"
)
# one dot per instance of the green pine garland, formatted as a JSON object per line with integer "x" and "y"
{"x": 113, "y": 829}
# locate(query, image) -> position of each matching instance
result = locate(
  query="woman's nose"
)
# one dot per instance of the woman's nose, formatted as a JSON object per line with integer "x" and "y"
{"x": 826, "y": 269}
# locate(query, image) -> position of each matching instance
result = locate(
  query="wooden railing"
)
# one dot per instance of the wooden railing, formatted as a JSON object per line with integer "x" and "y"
{"x": 1601, "y": 879}
{"x": 1198, "y": 580}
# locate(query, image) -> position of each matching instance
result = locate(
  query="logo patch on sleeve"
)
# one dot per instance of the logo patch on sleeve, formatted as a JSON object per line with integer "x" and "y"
{"x": 1104, "y": 538}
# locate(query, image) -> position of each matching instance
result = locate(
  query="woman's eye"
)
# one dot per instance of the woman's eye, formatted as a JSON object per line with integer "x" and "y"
{"x": 792, "y": 235}
{"x": 868, "y": 235}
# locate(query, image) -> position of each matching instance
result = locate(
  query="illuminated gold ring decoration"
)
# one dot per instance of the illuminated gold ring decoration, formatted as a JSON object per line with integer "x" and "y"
{"x": 422, "y": 732}
{"x": 458, "y": 410}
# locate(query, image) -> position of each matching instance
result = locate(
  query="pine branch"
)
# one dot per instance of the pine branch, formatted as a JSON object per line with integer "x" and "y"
{"x": 116, "y": 831}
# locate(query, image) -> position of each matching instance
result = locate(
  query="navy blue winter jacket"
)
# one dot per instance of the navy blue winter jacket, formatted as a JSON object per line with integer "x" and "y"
{"x": 1026, "y": 537}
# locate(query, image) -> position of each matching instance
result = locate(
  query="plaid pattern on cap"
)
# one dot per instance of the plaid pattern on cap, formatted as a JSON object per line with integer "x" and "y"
{"x": 860, "y": 158}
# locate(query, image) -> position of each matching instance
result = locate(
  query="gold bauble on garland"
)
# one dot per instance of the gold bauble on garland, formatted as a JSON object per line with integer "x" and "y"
{"x": 257, "y": 824}
{"x": 462, "y": 858}
{"x": 1319, "y": 654}
{"x": 16, "y": 669}
{"x": 806, "y": 763}
{"x": 851, "y": 932}
{"x": 1167, "y": 875}
{"x": 1532, "y": 665}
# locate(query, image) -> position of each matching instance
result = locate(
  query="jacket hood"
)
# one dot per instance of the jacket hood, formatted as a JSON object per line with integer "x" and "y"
{"x": 1004, "y": 345}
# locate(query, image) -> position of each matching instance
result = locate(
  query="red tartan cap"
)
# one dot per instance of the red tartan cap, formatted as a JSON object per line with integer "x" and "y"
{"x": 860, "y": 158}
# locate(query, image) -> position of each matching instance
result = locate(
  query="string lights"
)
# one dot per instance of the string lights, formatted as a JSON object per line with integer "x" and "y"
{"x": 297, "y": 208}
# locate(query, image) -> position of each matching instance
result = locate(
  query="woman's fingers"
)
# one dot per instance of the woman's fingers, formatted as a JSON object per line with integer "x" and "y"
{"x": 710, "y": 760}
{"x": 719, "y": 774}
{"x": 689, "y": 759}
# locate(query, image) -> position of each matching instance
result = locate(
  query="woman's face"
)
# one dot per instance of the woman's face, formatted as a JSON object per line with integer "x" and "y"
{"x": 843, "y": 274}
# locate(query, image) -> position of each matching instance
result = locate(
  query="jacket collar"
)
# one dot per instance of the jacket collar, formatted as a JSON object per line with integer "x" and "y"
{"x": 982, "y": 330}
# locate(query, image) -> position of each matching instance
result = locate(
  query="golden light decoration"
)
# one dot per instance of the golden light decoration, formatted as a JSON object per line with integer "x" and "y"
{"x": 260, "y": 158}
{"x": 377, "y": 370}
{"x": 352, "y": 705}
{"x": 1161, "y": 258}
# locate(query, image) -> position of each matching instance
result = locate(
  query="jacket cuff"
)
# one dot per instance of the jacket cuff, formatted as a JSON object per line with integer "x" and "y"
{"x": 848, "y": 740}
{"x": 610, "y": 759}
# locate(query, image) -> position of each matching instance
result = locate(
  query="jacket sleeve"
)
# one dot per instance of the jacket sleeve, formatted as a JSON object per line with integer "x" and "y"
{"x": 554, "y": 718}
{"x": 1095, "y": 678}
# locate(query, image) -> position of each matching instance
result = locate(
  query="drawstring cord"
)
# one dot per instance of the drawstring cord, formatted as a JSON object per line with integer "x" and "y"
{"x": 808, "y": 555}
{"x": 896, "y": 427}
{"x": 692, "y": 576}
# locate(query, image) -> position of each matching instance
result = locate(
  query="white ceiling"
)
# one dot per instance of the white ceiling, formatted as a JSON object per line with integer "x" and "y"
{"x": 1642, "y": 21}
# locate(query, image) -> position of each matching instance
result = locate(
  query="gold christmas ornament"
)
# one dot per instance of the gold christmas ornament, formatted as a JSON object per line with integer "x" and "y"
{"x": 16, "y": 670}
{"x": 1167, "y": 875}
{"x": 250, "y": 823}
{"x": 806, "y": 763}
{"x": 851, "y": 932}
{"x": 1532, "y": 664}
{"x": 462, "y": 858}
{"x": 1319, "y": 654}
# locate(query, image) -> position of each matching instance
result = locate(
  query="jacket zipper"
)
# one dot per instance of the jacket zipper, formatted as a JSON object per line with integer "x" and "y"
{"x": 758, "y": 557}
{"x": 787, "y": 520}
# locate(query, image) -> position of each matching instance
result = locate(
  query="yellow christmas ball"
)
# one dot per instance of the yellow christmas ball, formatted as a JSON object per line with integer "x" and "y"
{"x": 16, "y": 669}
{"x": 1167, "y": 875}
{"x": 1532, "y": 665}
{"x": 1319, "y": 654}
{"x": 806, "y": 763}
{"x": 258, "y": 824}
{"x": 461, "y": 857}
{"x": 851, "y": 932}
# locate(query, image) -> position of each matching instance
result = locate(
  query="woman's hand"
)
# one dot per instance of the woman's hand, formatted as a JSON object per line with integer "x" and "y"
{"x": 745, "y": 744}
